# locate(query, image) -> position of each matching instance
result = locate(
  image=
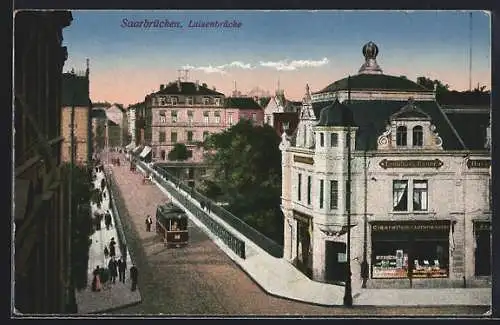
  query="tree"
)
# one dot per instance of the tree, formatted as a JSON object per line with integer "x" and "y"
{"x": 246, "y": 174}
{"x": 82, "y": 194}
{"x": 179, "y": 152}
{"x": 430, "y": 84}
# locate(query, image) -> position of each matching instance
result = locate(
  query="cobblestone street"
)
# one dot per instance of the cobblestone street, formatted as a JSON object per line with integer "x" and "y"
{"x": 200, "y": 279}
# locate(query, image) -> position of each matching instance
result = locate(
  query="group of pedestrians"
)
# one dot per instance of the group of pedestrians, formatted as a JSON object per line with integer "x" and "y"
{"x": 116, "y": 268}
{"x": 206, "y": 206}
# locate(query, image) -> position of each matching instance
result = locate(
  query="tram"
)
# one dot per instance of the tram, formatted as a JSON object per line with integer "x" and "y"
{"x": 172, "y": 225}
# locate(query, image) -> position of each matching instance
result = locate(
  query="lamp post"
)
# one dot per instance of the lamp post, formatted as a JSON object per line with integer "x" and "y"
{"x": 364, "y": 263}
{"x": 348, "y": 285}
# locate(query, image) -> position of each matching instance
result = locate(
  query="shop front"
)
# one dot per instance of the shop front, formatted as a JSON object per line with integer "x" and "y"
{"x": 482, "y": 254}
{"x": 410, "y": 249}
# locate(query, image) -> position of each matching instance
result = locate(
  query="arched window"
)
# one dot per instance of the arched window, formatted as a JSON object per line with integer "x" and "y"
{"x": 401, "y": 136}
{"x": 418, "y": 136}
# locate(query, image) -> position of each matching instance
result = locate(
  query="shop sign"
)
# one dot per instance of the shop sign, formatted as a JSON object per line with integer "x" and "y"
{"x": 478, "y": 163}
{"x": 301, "y": 216}
{"x": 410, "y": 227}
{"x": 385, "y": 163}
{"x": 303, "y": 160}
{"x": 482, "y": 226}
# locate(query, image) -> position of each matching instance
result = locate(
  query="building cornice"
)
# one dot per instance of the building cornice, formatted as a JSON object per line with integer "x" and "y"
{"x": 373, "y": 94}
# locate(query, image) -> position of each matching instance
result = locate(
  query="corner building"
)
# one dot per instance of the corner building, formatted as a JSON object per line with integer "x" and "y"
{"x": 420, "y": 198}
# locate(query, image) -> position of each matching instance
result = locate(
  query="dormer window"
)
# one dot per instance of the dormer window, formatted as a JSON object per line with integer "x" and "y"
{"x": 206, "y": 101}
{"x": 217, "y": 101}
{"x": 173, "y": 100}
{"x": 418, "y": 136}
{"x": 162, "y": 101}
{"x": 401, "y": 135}
{"x": 189, "y": 100}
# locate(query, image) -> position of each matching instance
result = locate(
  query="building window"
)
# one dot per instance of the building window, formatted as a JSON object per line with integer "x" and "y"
{"x": 321, "y": 193}
{"x": 418, "y": 136}
{"x": 418, "y": 248}
{"x": 217, "y": 101}
{"x": 206, "y": 101}
{"x": 217, "y": 117}
{"x": 400, "y": 195}
{"x": 205, "y": 117}
{"x": 309, "y": 181}
{"x": 299, "y": 187}
{"x": 173, "y": 137}
{"x": 189, "y": 100}
{"x": 334, "y": 139}
{"x": 174, "y": 116}
{"x": 174, "y": 100}
{"x": 230, "y": 118}
{"x": 162, "y": 101}
{"x": 189, "y": 136}
{"x": 322, "y": 139}
{"x": 190, "y": 116}
{"x": 205, "y": 135}
{"x": 401, "y": 136}
{"x": 334, "y": 194}
{"x": 161, "y": 137}
{"x": 254, "y": 117}
{"x": 268, "y": 119}
{"x": 420, "y": 195}
{"x": 163, "y": 118}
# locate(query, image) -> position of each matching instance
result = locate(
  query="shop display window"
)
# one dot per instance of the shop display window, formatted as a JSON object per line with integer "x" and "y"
{"x": 399, "y": 255}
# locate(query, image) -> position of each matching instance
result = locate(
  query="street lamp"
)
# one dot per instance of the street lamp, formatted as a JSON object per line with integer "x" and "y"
{"x": 348, "y": 285}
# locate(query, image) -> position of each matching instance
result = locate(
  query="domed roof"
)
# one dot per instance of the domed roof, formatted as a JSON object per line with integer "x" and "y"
{"x": 375, "y": 82}
{"x": 336, "y": 114}
{"x": 371, "y": 77}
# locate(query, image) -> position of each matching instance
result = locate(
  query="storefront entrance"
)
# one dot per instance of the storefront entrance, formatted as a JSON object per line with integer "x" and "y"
{"x": 303, "y": 242}
{"x": 482, "y": 231}
{"x": 410, "y": 249}
{"x": 335, "y": 262}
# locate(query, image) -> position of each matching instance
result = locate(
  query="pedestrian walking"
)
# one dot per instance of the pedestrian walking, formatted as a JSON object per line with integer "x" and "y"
{"x": 134, "y": 275}
{"x": 122, "y": 267}
{"x": 209, "y": 206}
{"x": 106, "y": 252}
{"x": 202, "y": 203}
{"x": 108, "y": 220}
{"x": 113, "y": 270}
{"x": 112, "y": 248}
{"x": 96, "y": 281}
{"x": 149, "y": 222}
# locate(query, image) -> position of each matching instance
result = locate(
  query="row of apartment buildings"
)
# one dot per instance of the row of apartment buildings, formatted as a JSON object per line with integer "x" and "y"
{"x": 186, "y": 112}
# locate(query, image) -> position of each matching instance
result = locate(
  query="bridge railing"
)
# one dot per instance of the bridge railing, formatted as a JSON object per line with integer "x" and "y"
{"x": 230, "y": 240}
{"x": 241, "y": 226}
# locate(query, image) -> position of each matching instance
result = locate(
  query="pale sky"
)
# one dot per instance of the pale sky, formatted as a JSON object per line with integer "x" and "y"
{"x": 294, "y": 47}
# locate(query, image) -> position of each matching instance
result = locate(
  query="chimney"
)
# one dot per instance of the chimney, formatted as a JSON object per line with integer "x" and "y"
{"x": 162, "y": 87}
{"x": 179, "y": 85}
{"x": 197, "y": 85}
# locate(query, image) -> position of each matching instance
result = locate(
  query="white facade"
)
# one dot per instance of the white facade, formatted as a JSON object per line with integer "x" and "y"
{"x": 420, "y": 214}
{"x": 131, "y": 123}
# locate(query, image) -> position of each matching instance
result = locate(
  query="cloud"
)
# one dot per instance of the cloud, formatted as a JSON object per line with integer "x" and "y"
{"x": 221, "y": 69}
{"x": 287, "y": 65}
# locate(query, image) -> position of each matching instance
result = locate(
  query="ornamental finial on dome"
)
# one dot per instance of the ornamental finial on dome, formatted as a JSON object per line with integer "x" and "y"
{"x": 370, "y": 52}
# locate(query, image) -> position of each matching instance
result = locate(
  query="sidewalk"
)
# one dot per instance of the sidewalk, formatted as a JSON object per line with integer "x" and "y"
{"x": 113, "y": 296}
{"x": 279, "y": 278}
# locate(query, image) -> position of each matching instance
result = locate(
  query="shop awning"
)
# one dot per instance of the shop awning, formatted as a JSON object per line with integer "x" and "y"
{"x": 145, "y": 152}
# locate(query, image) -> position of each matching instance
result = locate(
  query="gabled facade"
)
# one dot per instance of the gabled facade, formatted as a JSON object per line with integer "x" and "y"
{"x": 420, "y": 198}
{"x": 246, "y": 108}
{"x": 117, "y": 126}
{"x": 279, "y": 104}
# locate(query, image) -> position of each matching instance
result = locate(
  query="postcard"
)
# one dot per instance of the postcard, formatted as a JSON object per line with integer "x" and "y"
{"x": 252, "y": 163}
